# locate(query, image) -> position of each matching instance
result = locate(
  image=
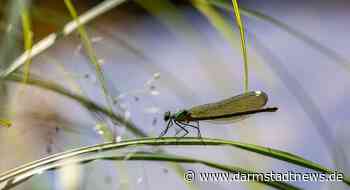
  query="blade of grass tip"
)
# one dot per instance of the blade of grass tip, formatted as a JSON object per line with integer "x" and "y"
{"x": 28, "y": 38}
{"x": 225, "y": 29}
{"x": 244, "y": 49}
{"x": 50, "y": 40}
{"x": 222, "y": 26}
{"x": 176, "y": 22}
{"x": 158, "y": 157}
{"x": 168, "y": 141}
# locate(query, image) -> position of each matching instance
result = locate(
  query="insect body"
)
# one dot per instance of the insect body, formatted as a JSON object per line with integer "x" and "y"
{"x": 228, "y": 110}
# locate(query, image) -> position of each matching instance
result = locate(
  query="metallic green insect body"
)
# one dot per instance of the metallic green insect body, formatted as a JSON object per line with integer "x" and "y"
{"x": 228, "y": 110}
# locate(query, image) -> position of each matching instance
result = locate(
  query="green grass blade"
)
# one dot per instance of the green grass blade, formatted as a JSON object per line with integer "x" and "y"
{"x": 265, "y": 151}
{"x": 221, "y": 25}
{"x": 91, "y": 53}
{"x": 243, "y": 44}
{"x": 159, "y": 157}
{"x": 28, "y": 38}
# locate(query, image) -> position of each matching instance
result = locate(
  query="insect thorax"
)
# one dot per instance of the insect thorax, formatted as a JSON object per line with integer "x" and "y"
{"x": 181, "y": 115}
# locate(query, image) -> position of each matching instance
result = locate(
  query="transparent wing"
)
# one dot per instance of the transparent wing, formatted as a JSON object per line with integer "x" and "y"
{"x": 240, "y": 103}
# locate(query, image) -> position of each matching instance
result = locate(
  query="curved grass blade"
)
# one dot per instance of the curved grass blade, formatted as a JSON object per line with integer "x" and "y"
{"x": 186, "y": 141}
{"x": 27, "y": 36}
{"x": 219, "y": 23}
{"x": 243, "y": 44}
{"x": 224, "y": 28}
{"x": 148, "y": 156}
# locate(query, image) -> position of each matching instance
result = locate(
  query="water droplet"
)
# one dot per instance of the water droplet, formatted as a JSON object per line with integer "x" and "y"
{"x": 96, "y": 39}
{"x": 139, "y": 180}
{"x": 156, "y": 76}
{"x": 123, "y": 106}
{"x": 100, "y": 132}
{"x": 118, "y": 139}
{"x": 152, "y": 87}
{"x": 154, "y": 92}
{"x": 127, "y": 115}
{"x": 101, "y": 61}
{"x": 165, "y": 170}
{"x": 100, "y": 127}
{"x": 154, "y": 122}
{"x": 152, "y": 110}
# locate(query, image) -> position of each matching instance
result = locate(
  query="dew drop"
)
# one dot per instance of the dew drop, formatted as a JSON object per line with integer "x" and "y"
{"x": 127, "y": 115}
{"x": 152, "y": 110}
{"x": 96, "y": 39}
{"x": 154, "y": 122}
{"x": 118, "y": 139}
{"x": 154, "y": 92}
{"x": 156, "y": 76}
{"x": 139, "y": 180}
{"x": 165, "y": 170}
{"x": 101, "y": 61}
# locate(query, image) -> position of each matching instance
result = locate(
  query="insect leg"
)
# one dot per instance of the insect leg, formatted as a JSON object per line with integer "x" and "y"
{"x": 179, "y": 124}
{"x": 196, "y": 127}
{"x": 170, "y": 123}
{"x": 178, "y": 131}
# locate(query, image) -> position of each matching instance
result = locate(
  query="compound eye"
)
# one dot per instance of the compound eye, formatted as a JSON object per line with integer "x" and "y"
{"x": 167, "y": 116}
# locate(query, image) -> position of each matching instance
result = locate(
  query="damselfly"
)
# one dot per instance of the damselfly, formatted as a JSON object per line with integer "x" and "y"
{"x": 224, "y": 111}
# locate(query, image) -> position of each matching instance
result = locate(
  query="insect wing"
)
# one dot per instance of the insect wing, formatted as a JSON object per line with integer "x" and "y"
{"x": 244, "y": 102}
